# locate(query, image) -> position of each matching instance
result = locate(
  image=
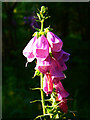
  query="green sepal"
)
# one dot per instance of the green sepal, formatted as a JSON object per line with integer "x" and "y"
{"x": 37, "y": 73}
{"x": 57, "y": 116}
{"x": 51, "y": 54}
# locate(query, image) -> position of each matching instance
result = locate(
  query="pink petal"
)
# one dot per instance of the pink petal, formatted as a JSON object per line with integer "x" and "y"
{"x": 61, "y": 55}
{"x": 63, "y": 105}
{"x": 43, "y": 66}
{"x": 62, "y": 65}
{"x": 48, "y": 84}
{"x": 41, "y": 48}
{"x": 61, "y": 91}
{"x": 56, "y": 80}
{"x": 57, "y": 55}
{"x": 28, "y": 50}
{"x": 55, "y": 69}
{"x": 65, "y": 56}
{"x": 54, "y": 41}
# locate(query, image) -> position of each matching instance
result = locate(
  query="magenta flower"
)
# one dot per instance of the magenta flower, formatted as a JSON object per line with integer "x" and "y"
{"x": 41, "y": 49}
{"x": 61, "y": 57}
{"x": 43, "y": 66}
{"x": 55, "y": 70}
{"x": 36, "y": 48}
{"x": 28, "y": 50}
{"x": 62, "y": 65}
{"x": 63, "y": 105}
{"x": 65, "y": 56}
{"x": 61, "y": 92}
{"x": 54, "y": 41}
{"x": 47, "y": 84}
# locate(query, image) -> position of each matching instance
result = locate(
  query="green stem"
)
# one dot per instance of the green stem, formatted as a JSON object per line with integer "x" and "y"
{"x": 42, "y": 95}
{"x": 42, "y": 25}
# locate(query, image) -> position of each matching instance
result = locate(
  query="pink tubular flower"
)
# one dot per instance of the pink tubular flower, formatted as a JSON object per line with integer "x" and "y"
{"x": 63, "y": 105}
{"x": 62, "y": 65}
{"x": 55, "y": 70}
{"x": 28, "y": 50}
{"x": 36, "y": 48}
{"x": 61, "y": 92}
{"x": 61, "y": 95}
{"x": 41, "y": 49}
{"x": 47, "y": 84}
{"x": 43, "y": 66}
{"x": 61, "y": 57}
{"x": 65, "y": 56}
{"x": 54, "y": 41}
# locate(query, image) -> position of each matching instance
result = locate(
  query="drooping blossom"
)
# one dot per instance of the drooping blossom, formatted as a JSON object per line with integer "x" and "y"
{"x": 41, "y": 49}
{"x": 61, "y": 58}
{"x": 36, "y": 48}
{"x": 61, "y": 92}
{"x": 28, "y": 50}
{"x": 54, "y": 41}
{"x": 55, "y": 70}
{"x": 61, "y": 97}
{"x": 43, "y": 66}
{"x": 61, "y": 55}
{"x": 63, "y": 105}
{"x": 47, "y": 84}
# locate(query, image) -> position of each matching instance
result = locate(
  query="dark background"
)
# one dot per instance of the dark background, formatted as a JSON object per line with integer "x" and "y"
{"x": 69, "y": 21}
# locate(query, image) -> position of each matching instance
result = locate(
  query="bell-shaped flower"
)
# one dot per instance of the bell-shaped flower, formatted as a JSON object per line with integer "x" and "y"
{"x": 65, "y": 56}
{"x": 56, "y": 80}
{"x": 28, "y": 50}
{"x": 47, "y": 84}
{"x": 63, "y": 105}
{"x": 54, "y": 41}
{"x": 61, "y": 92}
{"x": 41, "y": 49}
{"x": 61, "y": 57}
{"x": 43, "y": 66}
{"x": 62, "y": 65}
{"x": 57, "y": 55}
{"x": 55, "y": 70}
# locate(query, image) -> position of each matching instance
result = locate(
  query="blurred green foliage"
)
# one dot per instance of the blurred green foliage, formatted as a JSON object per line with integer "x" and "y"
{"x": 69, "y": 21}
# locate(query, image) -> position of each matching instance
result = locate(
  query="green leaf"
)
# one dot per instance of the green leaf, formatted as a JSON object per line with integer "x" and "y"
{"x": 42, "y": 116}
{"x": 35, "y": 88}
{"x": 57, "y": 116}
{"x": 36, "y": 28}
{"x": 38, "y": 16}
{"x": 35, "y": 101}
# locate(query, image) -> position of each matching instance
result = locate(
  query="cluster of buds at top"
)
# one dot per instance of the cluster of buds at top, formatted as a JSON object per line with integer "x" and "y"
{"x": 46, "y": 48}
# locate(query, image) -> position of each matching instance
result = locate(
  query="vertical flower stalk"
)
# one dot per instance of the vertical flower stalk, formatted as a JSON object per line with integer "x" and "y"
{"x": 41, "y": 79}
{"x": 42, "y": 94}
{"x": 46, "y": 48}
